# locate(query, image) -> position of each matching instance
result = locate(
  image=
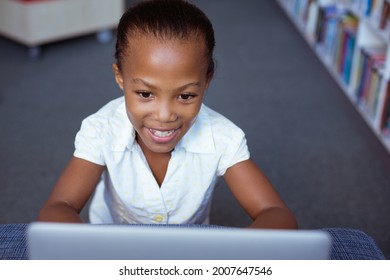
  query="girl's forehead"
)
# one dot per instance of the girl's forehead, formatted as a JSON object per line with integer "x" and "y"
{"x": 146, "y": 47}
{"x": 165, "y": 41}
{"x": 151, "y": 57}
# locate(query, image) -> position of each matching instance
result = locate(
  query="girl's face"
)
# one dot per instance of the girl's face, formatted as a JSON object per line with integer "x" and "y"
{"x": 164, "y": 83}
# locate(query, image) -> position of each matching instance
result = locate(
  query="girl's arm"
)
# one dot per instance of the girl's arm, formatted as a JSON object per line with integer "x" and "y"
{"x": 71, "y": 192}
{"x": 258, "y": 198}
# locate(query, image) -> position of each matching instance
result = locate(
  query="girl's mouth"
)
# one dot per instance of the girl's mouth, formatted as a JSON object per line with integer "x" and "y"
{"x": 162, "y": 136}
{"x": 161, "y": 133}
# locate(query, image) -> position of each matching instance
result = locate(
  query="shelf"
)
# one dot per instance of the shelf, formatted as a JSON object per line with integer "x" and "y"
{"x": 368, "y": 35}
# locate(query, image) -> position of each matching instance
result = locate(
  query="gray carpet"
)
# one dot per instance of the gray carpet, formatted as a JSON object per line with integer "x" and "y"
{"x": 302, "y": 131}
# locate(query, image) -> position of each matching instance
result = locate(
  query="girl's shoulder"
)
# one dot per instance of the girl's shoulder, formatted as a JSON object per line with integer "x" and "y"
{"x": 98, "y": 133}
{"x": 107, "y": 113}
{"x": 220, "y": 125}
{"x": 110, "y": 109}
{"x": 226, "y": 135}
{"x": 108, "y": 122}
{"x": 229, "y": 140}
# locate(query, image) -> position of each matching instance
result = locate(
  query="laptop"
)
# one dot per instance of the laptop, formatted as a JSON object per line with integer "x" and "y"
{"x": 60, "y": 241}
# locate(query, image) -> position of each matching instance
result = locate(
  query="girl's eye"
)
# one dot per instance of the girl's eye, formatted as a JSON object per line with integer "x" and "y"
{"x": 186, "y": 96}
{"x": 144, "y": 94}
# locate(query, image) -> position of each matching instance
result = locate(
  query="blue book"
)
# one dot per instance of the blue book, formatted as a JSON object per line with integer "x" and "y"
{"x": 351, "y": 38}
{"x": 368, "y": 6}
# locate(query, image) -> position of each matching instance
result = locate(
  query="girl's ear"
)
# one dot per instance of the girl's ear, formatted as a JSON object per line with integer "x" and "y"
{"x": 118, "y": 76}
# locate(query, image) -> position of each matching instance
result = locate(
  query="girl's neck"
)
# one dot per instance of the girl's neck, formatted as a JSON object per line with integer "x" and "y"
{"x": 158, "y": 162}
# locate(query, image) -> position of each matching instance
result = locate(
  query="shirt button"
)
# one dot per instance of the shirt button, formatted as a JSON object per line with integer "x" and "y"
{"x": 158, "y": 218}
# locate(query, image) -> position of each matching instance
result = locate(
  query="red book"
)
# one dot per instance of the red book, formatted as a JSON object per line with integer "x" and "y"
{"x": 384, "y": 15}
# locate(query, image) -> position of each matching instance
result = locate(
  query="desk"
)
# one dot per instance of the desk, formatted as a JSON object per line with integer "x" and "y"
{"x": 347, "y": 244}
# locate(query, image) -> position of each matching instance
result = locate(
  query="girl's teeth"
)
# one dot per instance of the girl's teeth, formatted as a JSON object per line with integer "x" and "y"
{"x": 159, "y": 133}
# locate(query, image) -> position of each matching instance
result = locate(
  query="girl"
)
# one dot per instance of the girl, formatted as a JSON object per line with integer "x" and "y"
{"x": 154, "y": 155}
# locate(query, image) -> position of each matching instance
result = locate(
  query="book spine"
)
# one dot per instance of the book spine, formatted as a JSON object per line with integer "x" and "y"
{"x": 371, "y": 92}
{"x": 385, "y": 119}
{"x": 361, "y": 78}
{"x": 348, "y": 57}
{"x": 375, "y": 102}
{"x": 343, "y": 51}
{"x": 367, "y": 80}
{"x": 384, "y": 15}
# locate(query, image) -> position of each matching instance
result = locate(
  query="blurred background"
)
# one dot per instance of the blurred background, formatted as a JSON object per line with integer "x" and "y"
{"x": 302, "y": 131}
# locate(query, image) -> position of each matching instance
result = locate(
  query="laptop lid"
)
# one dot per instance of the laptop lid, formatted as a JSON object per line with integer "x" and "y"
{"x": 49, "y": 241}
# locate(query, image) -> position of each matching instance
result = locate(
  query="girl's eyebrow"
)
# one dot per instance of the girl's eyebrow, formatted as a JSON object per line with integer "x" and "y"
{"x": 193, "y": 84}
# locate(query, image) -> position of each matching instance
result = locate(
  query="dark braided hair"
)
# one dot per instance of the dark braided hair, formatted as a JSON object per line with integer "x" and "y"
{"x": 165, "y": 20}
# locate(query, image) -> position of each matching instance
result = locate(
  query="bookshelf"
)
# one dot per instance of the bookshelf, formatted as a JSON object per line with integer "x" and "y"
{"x": 352, "y": 39}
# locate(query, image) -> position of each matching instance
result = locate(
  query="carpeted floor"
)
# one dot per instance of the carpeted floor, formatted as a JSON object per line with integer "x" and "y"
{"x": 302, "y": 131}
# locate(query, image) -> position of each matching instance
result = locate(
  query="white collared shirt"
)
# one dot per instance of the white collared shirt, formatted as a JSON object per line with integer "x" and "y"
{"x": 128, "y": 191}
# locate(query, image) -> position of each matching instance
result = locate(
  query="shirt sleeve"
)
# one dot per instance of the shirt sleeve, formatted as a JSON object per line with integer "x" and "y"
{"x": 88, "y": 142}
{"x": 235, "y": 151}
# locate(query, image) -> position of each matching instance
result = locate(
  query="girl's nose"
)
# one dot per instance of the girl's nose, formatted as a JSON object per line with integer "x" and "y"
{"x": 166, "y": 113}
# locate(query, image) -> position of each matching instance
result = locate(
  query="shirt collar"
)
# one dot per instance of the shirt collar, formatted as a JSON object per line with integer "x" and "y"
{"x": 199, "y": 139}
{"x": 122, "y": 133}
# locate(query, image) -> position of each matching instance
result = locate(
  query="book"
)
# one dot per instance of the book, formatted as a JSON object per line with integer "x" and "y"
{"x": 371, "y": 58}
{"x": 366, "y": 79}
{"x": 344, "y": 44}
{"x": 358, "y": 72}
{"x": 342, "y": 50}
{"x": 367, "y": 7}
{"x": 385, "y": 14}
{"x": 385, "y": 118}
{"x": 350, "y": 47}
{"x": 324, "y": 14}
{"x": 330, "y": 36}
{"x": 372, "y": 93}
{"x": 319, "y": 27}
